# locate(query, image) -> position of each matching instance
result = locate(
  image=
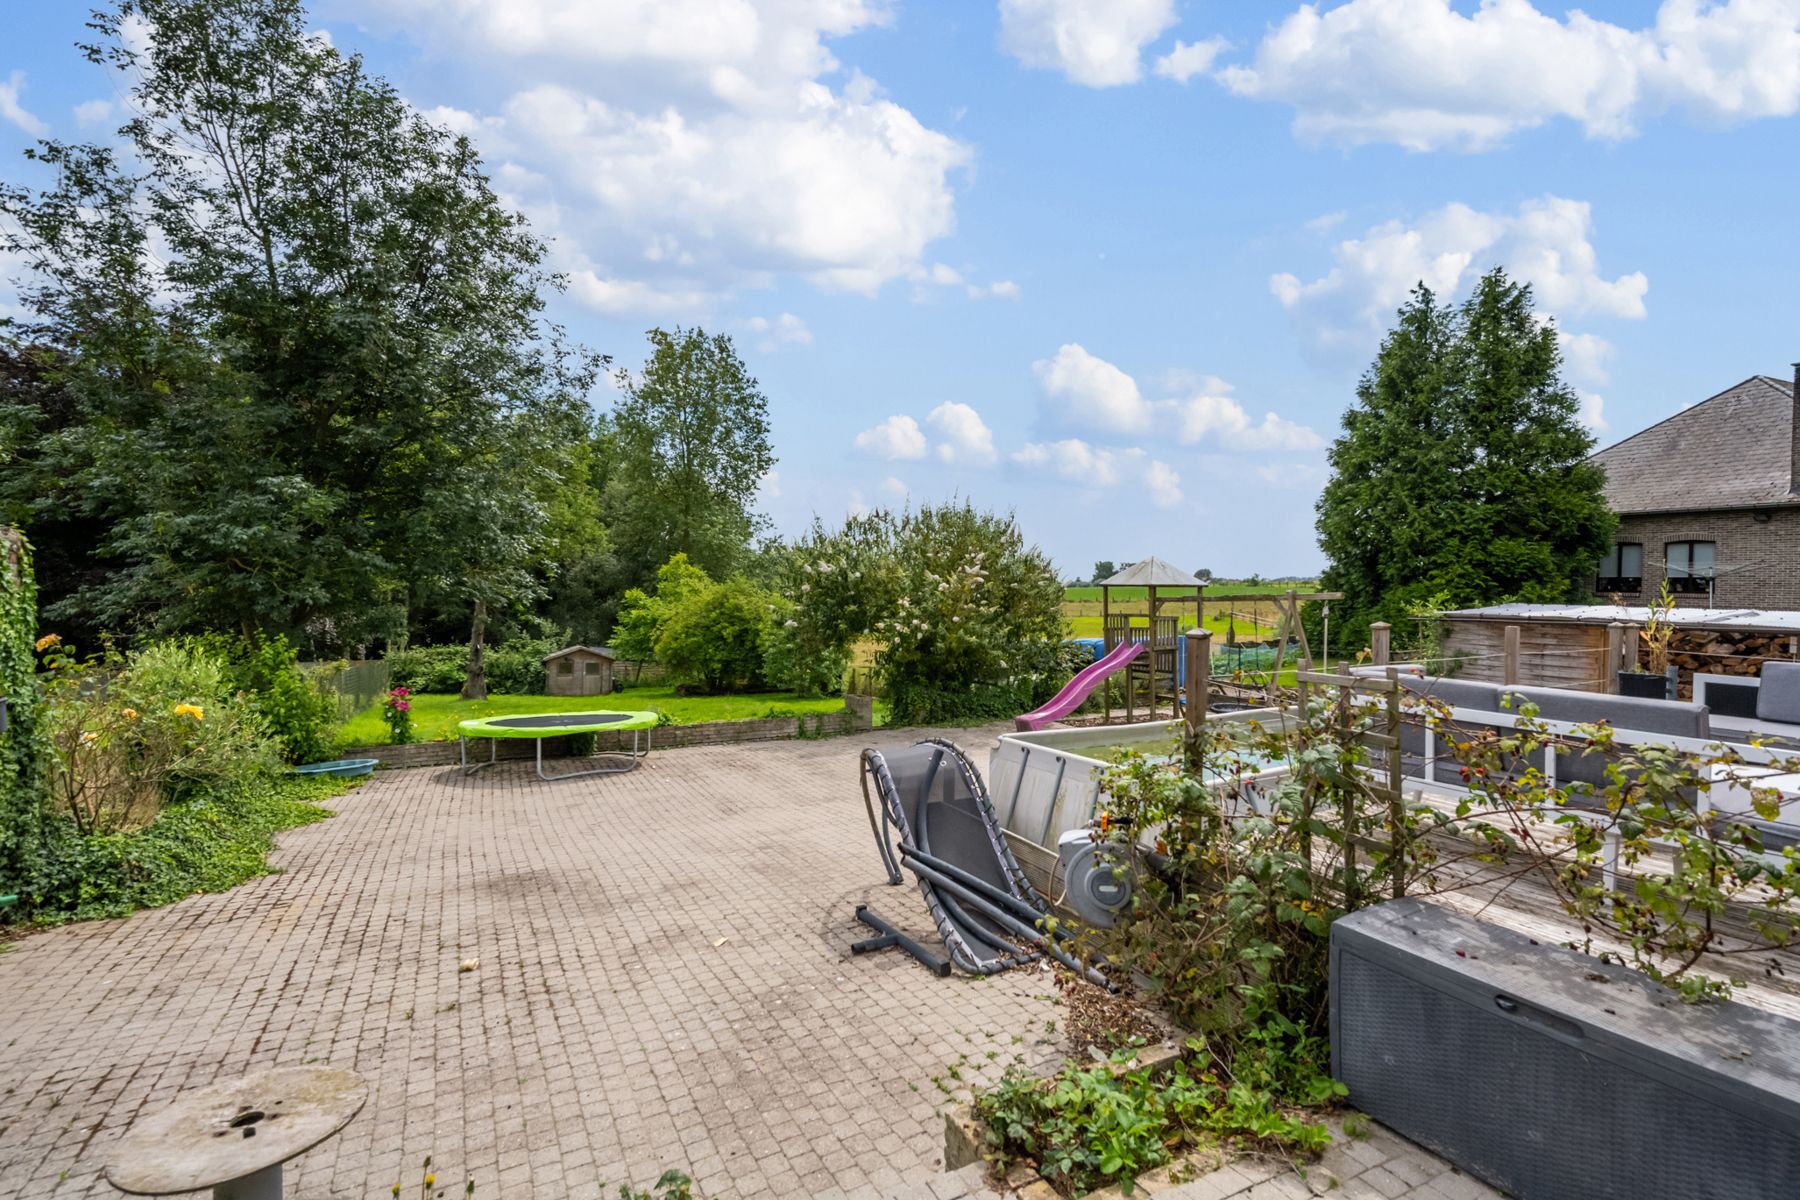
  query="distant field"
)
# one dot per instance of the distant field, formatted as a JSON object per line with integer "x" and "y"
{"x": 1247, "y": 610}
{"x": 1220, "y": 589}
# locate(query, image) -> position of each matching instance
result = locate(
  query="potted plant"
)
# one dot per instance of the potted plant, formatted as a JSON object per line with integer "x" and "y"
{"x": 1658, "y": 682}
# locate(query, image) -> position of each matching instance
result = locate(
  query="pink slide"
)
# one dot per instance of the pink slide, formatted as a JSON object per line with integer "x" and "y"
{"x": 1080, "y": 687}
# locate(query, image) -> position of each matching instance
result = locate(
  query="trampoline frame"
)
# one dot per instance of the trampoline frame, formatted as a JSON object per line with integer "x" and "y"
{"x": 637, "y": 722}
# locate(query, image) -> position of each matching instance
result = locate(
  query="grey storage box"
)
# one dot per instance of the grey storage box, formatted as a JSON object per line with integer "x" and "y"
{"x": 1551, "y": 1075}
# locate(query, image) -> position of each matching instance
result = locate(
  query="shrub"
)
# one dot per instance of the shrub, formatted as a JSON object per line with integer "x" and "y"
{"x": 796, "y": 663}
{"x": 978, "y": 612}
{"x": 298, "y": 712}
{"x": 129, "y": 734}
{"x": 715, "y": 636}
{"x": 514, "y": 668}
{"x": 206, "y": 842}
{"x": 969, "y": 614}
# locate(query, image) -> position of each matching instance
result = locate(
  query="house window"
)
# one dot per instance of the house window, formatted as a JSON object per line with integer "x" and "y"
{"x": 593, "y": 668}
{"x": 1622, "y": 570}
{"x": 1690, "y": 566}
{"x": 565, "y": 667}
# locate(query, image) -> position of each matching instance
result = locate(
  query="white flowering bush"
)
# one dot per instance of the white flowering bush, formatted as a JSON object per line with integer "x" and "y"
{"x": 968, "y": 615}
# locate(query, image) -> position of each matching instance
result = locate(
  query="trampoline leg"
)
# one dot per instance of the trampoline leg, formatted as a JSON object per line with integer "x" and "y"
{"x": 937, "y": 964}
{"x": 634, "y": 759}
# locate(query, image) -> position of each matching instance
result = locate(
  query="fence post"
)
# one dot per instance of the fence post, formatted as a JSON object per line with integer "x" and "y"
{"x": 1615, "y": 651}
{"x": 1381, "y": 642}
{"x": 1509, "y": 660}
{"x": 1628, "y": 651}
{"x": 1195, "y": 686}
{"x": 1397, "y": 843}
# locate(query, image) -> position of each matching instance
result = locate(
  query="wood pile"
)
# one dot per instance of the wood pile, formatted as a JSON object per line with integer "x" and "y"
{"x": 1725, "y": 652}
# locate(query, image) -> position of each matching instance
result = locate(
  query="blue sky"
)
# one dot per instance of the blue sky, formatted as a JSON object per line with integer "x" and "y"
{"x": 1114, "y": 264}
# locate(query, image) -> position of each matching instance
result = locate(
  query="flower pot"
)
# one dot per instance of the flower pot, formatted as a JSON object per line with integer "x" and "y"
{"x": 1644, "y": 686}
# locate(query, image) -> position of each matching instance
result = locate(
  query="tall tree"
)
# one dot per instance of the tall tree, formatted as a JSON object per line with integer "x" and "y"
{"x": 338, "y": 334}
{"x": 1462, "y": 474}
{"x": 691, "y": 443}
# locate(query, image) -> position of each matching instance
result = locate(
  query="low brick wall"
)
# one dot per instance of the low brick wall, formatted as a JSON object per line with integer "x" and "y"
{"x": 706, "y": 733}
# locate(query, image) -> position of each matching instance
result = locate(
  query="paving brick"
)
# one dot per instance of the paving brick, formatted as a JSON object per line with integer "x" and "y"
{"x": 664, "y": 981}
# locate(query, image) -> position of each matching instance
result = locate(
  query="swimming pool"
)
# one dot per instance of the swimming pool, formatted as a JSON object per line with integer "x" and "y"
{"x": 1047, "y": 782}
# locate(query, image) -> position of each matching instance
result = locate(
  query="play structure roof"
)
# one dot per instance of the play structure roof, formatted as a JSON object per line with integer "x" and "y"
{"x": 1151, "y": 572}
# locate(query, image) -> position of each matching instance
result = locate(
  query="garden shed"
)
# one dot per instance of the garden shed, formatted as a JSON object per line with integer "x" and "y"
{"x": 579, "y": 671}
{"x": 1565, "y": 645}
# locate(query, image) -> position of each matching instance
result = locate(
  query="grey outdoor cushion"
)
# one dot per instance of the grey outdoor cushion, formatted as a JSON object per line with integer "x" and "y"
{"x": 1457, "y": 693}
{"x": 1675, "y": 718}
{"x": 1778, "y": 699}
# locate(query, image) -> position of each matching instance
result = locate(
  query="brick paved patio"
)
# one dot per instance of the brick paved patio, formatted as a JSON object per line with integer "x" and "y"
{"x": 664, "y": 980}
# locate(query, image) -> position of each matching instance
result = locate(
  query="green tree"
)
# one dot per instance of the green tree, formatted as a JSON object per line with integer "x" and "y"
{"x": 690, "y": 439}
{"x": 642, "y": 615}
{"x": 335, "y": 351}
{"x": 714, "y": 637}
{"x": 1462, "y": 472}
{"x": 1105, "y": 569}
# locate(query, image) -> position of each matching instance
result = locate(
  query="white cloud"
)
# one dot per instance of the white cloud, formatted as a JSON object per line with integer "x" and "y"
{"x": 898, "y": 437}
{"x": 1074, "y": 460}
{"x": 90, "y": 113}
{"x": 1092, "y": 42}
{"x": 1091, "y": 466}
{"x": 770, "y": 485}
{"x": 784, "y": 330}
{"x": 1585, "y": 355}
{"x": 605, "y": 293}
{"x": 1213, "y": 414}
{"x": 1593, "y": 412}
{"x": 1547, "y": 243}
{"x": 12, "y": 110}
{"x": 682, "y": 149}
{"x": 1000, "y": 289}
{"x": 1164, "y": 484}
{"x": 857, "y": 506}
{"x": 1087, "y": 392}
{"x": 963, "y": 436}
{"x": 1189, "y": 59}
{"x": 1422, "y": 75}
{"x": 896, "y": 488}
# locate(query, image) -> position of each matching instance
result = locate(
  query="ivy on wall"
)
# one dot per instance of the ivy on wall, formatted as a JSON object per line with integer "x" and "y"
{"x": 22, "y": 757}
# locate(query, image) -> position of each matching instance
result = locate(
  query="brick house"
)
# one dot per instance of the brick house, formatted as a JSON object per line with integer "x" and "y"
{"x": 1710, "y": 500}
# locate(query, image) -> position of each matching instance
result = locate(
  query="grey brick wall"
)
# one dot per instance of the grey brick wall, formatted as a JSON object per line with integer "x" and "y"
{"x": 1759, "y": 562}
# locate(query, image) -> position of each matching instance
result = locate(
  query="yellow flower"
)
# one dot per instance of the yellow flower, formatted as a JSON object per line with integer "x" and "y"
{"x": 47, "y": 641}
{"x": 430, "y": 1179}
{"x": 190, "y": 710}
{"x": 131, "y": 714}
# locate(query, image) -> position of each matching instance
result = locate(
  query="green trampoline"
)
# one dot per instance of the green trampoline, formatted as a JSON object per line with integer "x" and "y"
{"x": 539, "y": 726}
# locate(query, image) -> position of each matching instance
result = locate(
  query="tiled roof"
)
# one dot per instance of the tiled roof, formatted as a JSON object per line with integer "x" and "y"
{"x": 1732, "y": 451}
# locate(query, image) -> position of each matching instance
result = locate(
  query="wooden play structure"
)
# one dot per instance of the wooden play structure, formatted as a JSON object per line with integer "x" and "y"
{"x": 1156, "y": 674}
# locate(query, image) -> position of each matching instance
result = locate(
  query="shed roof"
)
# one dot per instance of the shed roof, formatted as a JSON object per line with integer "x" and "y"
{"x": 1749, "y": 620}
{"x": 1733, "y": 450}
{"x": 1151, "y": 572}
{"x": 602, "y": 651}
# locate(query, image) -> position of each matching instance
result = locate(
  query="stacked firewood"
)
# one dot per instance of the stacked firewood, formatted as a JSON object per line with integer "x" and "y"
{"x": 1723, "y": 652}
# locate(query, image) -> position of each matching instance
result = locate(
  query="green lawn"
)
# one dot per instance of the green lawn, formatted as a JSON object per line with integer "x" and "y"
{"x": 435, "y": 714}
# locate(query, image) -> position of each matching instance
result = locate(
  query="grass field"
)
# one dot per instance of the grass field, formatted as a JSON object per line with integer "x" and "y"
{"x": 435, "y": 715}
{"x": 1219, "y": 589}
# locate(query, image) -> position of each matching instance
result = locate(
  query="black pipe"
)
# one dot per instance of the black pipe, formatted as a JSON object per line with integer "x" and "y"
{"x": 1008, "y": 921}
{"x": 935, "y": 963}
{"x": 1006, "y": 899}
